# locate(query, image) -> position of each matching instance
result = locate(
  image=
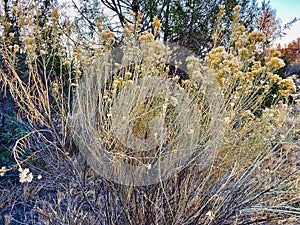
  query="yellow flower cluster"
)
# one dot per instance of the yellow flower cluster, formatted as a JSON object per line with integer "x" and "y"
{"x": 275, "y": 53}
{"x": 30, "y": 44}
{"x": 108, "y": 37}
{"x": 286, "y": 87}
{"x": 128, "y": 75}
{"x": 276, "y": 115}
{"x": 226, "y": 66}
{"x": 42, "y": 52}
{"x": 55, "y": 15}
{"x": 274, "y": 78}
{"x": 244, "y": 75}
{"x": 139, "y": 18}
{"x": 256, "y": 70}
{"x": 16, "y": 10}
{"x": 67, "y": 63}
{"x": 274, "y": 63}
{"x": 216, "y": 56}
{"x": 146, "y": 37}
{"x": 243, "y": 53}
{"x": 256, "y": 37}
{"x": 222, "y": 11}
{"x": 154, "y": 53}
{"x": 118, "y": 82}
{"x": 156, "y": 25}
{"x": 236, "y": 10}
{"x": 193, "y": 67}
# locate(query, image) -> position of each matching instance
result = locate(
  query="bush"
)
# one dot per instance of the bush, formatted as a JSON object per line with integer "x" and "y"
{"x": 202, "y": 150}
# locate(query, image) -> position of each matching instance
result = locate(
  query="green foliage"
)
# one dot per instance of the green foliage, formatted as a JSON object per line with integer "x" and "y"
{"x": 10, "y": 131}
{"x": 86, "y": 22}
{"x": 190, "y": 23}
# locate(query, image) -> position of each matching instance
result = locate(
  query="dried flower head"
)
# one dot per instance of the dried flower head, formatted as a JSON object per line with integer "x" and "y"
{"x": 42, "y": 52}
{"x": 11, "y": 35}
{"x": 286, "y": 87}
{"x": 3, "y": 171}
{"x": 108, "y": 36}
{"x": 275, "y": 63}
{"x": 156, "y": 25}
{"x": 274, "y": 78}
{"x": 274, "y": 53}
{"x": 146, "y": 37}
{"x": 237, "y": 8}
{"x": 244, "y": 53}
{"x": 67, "y": 63}
{"x": 55, "y": 15}
{"x": 16, "y": 10}
{"x": 128, "y": 75}
{"x": 222, "y": 10}
{"x": 16, "y": 48}
{"x": 176, "y": 79}
{"x": 256, "y": 37}
{"x": 25, "y": 175}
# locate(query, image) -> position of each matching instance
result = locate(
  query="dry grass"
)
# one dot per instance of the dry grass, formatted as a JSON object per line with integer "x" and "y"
{"x": 69, "y": 192}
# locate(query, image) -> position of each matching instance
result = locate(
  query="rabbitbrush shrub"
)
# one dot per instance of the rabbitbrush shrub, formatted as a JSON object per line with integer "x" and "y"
{"x": 220, "y": 153}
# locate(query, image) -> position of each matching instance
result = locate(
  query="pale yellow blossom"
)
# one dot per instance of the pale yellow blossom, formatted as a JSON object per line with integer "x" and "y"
{"x": 55, "y": 15}
{"x": 67, "y": 63}
{"x": 25, "y": 175}
{"x": 286, "y": 87}
{"x": 173, "y": 101}
{"x": 275, "y": 63}
{"x": 129, "y": 82}
{"x": 256, "y": 37}
{"x": 176, "y": 78}
{"x": 42, "y": 52}
{"x": 128, "y": 75}
{"x": 146, "y": 37}
{"x": 156, "y": 25}
{"x": 237, "y": 8}
{"x": 16, "y": 48}
{"x": 274, "y": 78}
{"x": 108, "y": 36}
{"x": 244, "y": 53}
{"x": 3, "y": 171}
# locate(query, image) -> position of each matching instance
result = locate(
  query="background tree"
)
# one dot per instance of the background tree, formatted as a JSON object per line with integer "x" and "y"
{"x": 89, "y": 14}
{"x": 292, "y": 51}
{"x": 193, "y": 22}
{"x": 271, "y": 25}
{"x": 268, "y": 24}
{"x": 291, "y": 56}
{"x": 189, "y": 23}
